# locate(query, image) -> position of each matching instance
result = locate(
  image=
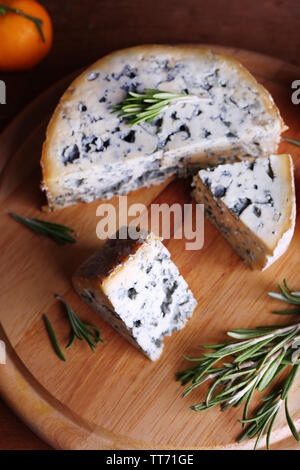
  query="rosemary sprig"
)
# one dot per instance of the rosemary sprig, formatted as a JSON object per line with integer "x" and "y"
{"x": 268, "y": 411}
{"x": 37, "y": 21}
{"x": 59, "y": 233}
{"x": 139, "y": 107}
{"x": 258, "y": 357}
{"x": 53, "y": 338}
{"x": 80, "y": 329}
{"x": 287, "y": 295}
{"x": 292, "y": 141}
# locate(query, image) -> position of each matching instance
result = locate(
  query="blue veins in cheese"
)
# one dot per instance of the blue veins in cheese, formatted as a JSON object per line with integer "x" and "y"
{"x": 138, "y": 290}
{"x": 90, "y": 153}
{"x": 253, "y": 206}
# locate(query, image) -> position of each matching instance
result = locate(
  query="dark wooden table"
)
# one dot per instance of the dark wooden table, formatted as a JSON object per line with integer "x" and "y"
{"x": 84, "y": 31}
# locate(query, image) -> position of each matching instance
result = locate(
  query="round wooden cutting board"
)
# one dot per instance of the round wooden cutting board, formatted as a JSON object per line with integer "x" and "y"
{"x": 117, "y": 398}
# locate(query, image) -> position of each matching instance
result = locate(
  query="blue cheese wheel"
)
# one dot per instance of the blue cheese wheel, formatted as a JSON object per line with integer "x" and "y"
{"x": 90, "y": 153}
{"x": 138, "y": 290}
{"x": 253, "y": 205}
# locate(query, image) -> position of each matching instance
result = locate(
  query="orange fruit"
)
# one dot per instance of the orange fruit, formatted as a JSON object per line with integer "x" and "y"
{"x": 21, "y": 44}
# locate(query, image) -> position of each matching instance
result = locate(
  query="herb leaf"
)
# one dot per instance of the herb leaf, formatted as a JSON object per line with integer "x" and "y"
{"x": 53, "y": 338}
{"x": 80, "y": 329}
{"x": 59, "y": 233}
{"x": 292, "y": 141}
{"x": 290, "y": 422}
{"x": 286, "y": 295}
{"x": 139, "y": 107}
{"x": 258, "y": 357}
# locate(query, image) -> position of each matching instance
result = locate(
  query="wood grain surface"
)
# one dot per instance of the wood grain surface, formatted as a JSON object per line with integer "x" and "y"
{"x": 117, "y": 398}
{"x": 82, "y": 33}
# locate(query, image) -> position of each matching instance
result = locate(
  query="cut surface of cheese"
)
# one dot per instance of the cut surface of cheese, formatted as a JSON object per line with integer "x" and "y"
{"x": 252, "y": 204}
{"x": 137, "y": 289}
{"x": 90, "y": 153}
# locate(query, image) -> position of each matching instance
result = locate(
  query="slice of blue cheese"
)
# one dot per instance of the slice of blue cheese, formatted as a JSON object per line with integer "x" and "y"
{"x": 252, "y": 204}
{"x": 90, "y": 153}
{"x": 138, "y": 290}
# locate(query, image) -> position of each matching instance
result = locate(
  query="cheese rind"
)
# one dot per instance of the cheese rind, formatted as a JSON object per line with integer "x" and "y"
{"x": 90, "y": 153}
{"x": 252, "y": 204}
{"x": 134, "y": 286}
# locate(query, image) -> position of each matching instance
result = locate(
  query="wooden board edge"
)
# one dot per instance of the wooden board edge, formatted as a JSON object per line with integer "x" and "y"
{"x": 44, "y": 415}
{"x": 42, "y": 412}
{"x": 18, "y": 386}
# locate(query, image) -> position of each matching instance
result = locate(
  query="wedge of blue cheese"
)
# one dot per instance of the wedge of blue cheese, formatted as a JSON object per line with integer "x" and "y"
{"x": 138, "y": 290}
{"x": 252, "y": 204}
{"x": 90, "y": 153}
